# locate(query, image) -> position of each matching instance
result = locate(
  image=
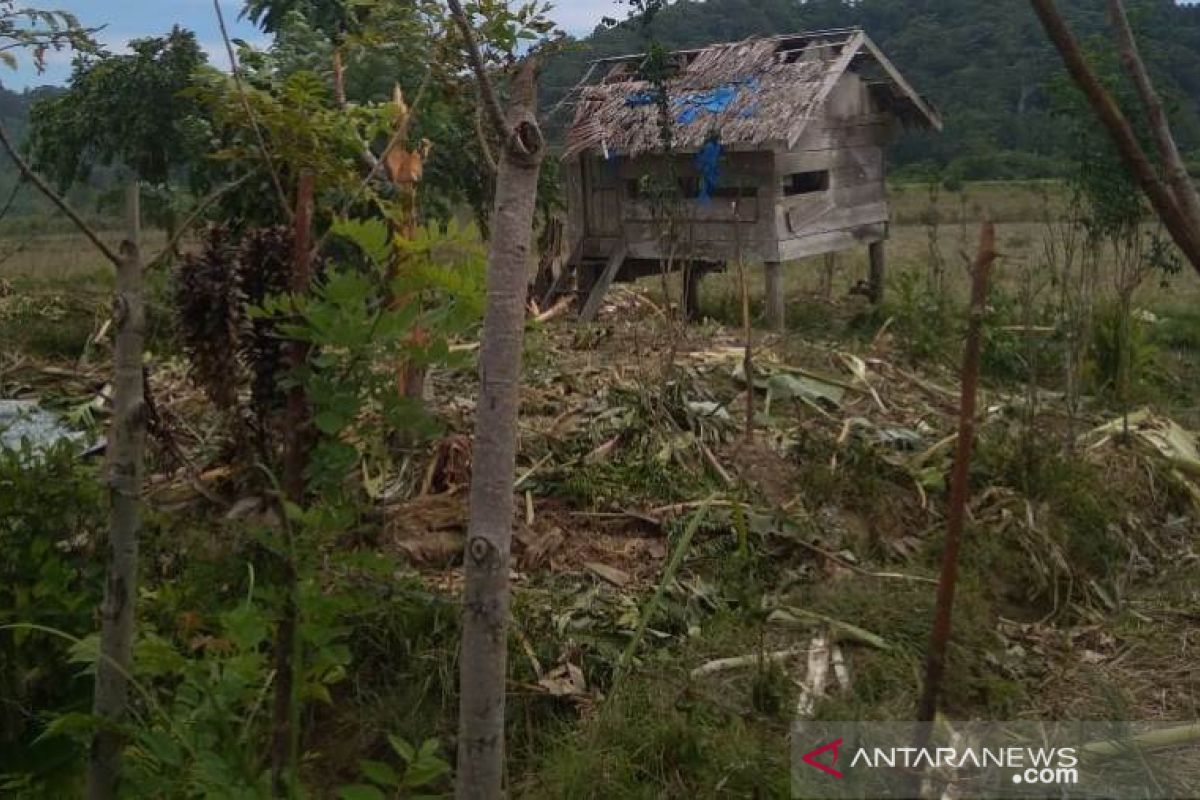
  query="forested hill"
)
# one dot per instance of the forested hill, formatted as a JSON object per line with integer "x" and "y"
{"x": 985, "y": 63}
{"x": 14, "y": 113}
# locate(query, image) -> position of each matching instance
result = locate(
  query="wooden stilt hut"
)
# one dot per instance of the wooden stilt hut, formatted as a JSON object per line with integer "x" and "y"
{"x": 768, "y": 149}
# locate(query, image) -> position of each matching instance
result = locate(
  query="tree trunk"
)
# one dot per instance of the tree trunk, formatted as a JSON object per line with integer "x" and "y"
{"x": 127, "y": 436}
{"x": 483, "y": 662}
{"x": 1173, "y": 167}
{"x": 295, "y": 461}
{"x": 1177, "y": 222}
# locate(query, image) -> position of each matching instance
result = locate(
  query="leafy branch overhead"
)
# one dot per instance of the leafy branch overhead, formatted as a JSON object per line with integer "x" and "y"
{"x": 38, "y": 33}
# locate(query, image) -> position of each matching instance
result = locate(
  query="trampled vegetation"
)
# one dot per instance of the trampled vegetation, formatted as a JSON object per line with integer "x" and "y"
{"x": 305, "y": 491}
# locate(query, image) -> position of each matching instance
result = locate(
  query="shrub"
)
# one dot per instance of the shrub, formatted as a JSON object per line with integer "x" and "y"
{"x": 50, "y": 513}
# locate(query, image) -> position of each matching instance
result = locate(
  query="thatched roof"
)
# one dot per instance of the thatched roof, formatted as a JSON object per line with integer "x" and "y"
{"x": 753, "y": 92}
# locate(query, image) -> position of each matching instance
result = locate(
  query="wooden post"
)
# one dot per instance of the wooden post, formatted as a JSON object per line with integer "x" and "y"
{"x": 828, "y": 270}
{"x": 960, "y": 484}
{"x": 878, "y": 269}
{"x": 127, "y": 436}
{"x": 776, "y": 308}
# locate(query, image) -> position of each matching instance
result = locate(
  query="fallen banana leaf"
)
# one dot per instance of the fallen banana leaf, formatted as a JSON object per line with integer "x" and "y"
{"x": 788, "y": 387}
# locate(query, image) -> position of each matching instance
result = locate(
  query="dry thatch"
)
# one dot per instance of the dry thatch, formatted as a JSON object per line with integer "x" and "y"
{"x": 748, "y": 93}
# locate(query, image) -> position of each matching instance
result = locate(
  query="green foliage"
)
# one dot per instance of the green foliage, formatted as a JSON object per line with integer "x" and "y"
{"x": 1120, "y": 341}
{"x": 303, "y": 130}
{"x": 49, "y": 324}
{"x": 1010, "y": 352}
{"x": 208, "y": 712}
{"x": 689, "y": 739}
{"x": 422, "y": 769}
{"x": 357, "y": 338}
{"x": 39, "y": 33}
{"x": 334, "y": 18}
{"x": 129, "y": 110}
{"x": 924, "y": 321}
{"x": 1077, "y": 514}
{"x": 51, "y": 515}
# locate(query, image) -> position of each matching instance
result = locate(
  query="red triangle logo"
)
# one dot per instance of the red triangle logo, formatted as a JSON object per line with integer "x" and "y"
{"x": 810, "y": 758}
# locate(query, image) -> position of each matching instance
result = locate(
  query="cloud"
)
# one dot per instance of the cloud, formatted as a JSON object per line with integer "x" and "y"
{"x": 580, "y": 17}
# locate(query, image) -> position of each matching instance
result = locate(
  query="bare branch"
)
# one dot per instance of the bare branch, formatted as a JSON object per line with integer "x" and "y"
{"x": 1176, "y": 171}
{"x": 192, "y": 217}
{"x": 12, "y": 198}
{"x": 485, "y": 146}
{"x": 56, "y": 198}
{"x": 486, "y": 90}
{"x": 235, "y": 71}
{"x": 1110, "y": 115}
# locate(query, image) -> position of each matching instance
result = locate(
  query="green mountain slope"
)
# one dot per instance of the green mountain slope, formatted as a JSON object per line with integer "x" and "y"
{"x": 985, "y": 63}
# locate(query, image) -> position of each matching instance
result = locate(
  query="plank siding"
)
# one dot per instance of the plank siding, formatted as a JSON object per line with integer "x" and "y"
{"x": 832, "y": 241}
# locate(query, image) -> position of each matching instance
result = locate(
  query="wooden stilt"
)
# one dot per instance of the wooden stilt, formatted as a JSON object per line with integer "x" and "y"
{"x": 878, "y": 270}
{"x": 828, "y": 270}
{"x": 597, "y": 292}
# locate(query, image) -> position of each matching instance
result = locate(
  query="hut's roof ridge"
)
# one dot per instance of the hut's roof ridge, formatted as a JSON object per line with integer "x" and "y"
{"x": 746, "y": 93}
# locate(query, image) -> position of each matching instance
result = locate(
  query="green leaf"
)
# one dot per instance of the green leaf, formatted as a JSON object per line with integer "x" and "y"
{"x": 360, "y": 791}
{"x": 380, "y": 773}
{"x": 426, "y": 767}
{"x": 74, "y": 724}
{"x": 370, "y": 235}
{"x": 402, "y": 748}
{"x": 155, "y": 656}
{"x": 245, "y": 627}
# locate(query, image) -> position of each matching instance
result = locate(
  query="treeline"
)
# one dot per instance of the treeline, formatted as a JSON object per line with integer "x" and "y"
{"x": 985, "y": 64}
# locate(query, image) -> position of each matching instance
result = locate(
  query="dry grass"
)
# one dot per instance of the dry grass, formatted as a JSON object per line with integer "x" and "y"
{"x": 60, "y": 258}
{"x": 1021, "y": 212}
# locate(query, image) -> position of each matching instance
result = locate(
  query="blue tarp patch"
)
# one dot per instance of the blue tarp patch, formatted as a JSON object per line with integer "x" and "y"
{"x": 642, "y": 98}
{"x": 713, "y": 101}
{"x": 708, "y": 163}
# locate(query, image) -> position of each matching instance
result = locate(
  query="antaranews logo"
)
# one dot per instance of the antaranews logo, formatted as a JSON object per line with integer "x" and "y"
{"x": 833, "y": 747}
{"x": 989, "y": 760}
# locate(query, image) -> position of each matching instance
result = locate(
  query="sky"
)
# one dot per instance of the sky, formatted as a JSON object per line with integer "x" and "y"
{"x": 132, "y": 19}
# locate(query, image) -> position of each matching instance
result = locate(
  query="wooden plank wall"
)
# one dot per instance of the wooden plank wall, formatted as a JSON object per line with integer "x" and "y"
{"x": 710, "y": 230}
{"x": 848, "y": 142}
